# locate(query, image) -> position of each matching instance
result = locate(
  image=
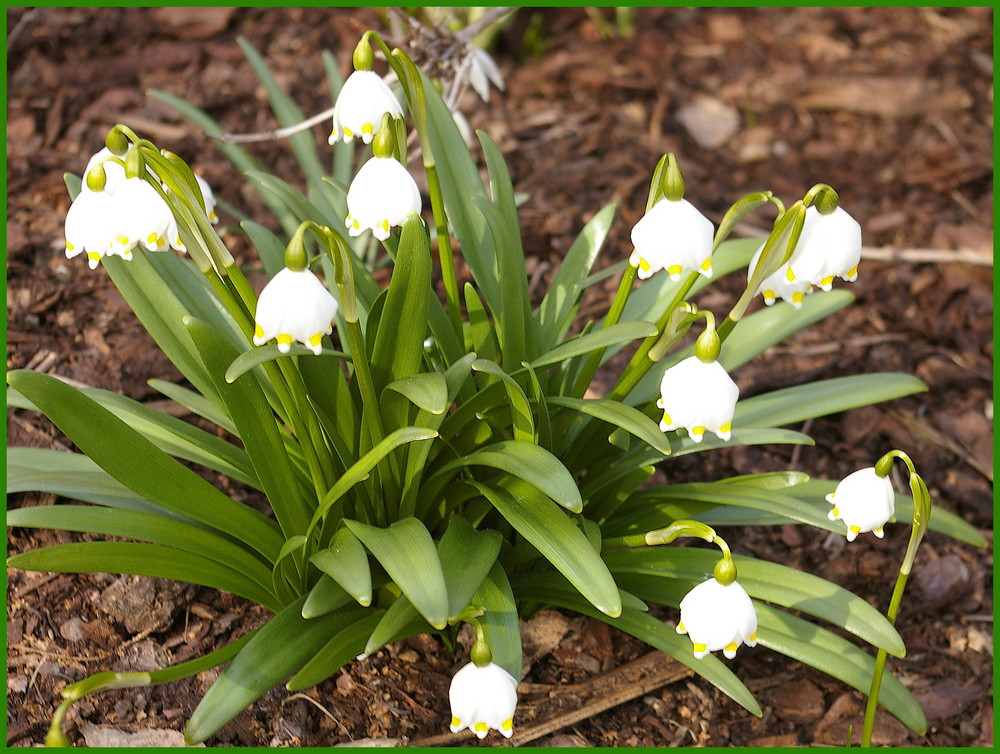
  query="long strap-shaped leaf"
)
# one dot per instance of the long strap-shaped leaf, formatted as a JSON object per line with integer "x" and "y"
{"x": 143, "y": 560}
{"x": 407, "y": 552}
{"x": 544, "y": 525}
{"x": 258, "y": 430}
{"x": 773, "y": 582}
{"x": 146, "y": 527}
{"x": 278, "y": 649}
{"x": 141, "y": 466}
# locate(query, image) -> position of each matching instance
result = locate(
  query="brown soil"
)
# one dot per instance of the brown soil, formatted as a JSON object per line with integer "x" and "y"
{"x": 891, "y": 106}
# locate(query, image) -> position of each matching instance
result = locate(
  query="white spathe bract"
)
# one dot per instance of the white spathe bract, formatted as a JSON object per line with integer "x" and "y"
{"x": 718, "y": 617}
{"x": 294, "y": 305}
{"x": 483, "y": 698}
{"x": 363, "y": 100}
{"x": 828, "y": 247}
{"x": 381, "y": 196}
{"x": 864, "y": 501}
{"x": 698, "y": 396}
{"x": 673, "y": 236}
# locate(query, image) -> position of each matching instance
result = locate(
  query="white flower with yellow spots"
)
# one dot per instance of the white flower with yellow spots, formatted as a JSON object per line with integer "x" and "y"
{"x": 483, "y": 698}
{"x": 673, "y": 236}
{"x": 141, "y": 216}
{"x": 363, "y": 100}
{"x": 864, "y": 501}
{"x": 382, "y": 195}
{"x": 783, "y": 283}
{"x": 717, "y": 616}
{"x": 698, "y": 396}
{"x": 829, "y": 247}
{"x": 88, "y": 226}
{"x": 294, "y": 305}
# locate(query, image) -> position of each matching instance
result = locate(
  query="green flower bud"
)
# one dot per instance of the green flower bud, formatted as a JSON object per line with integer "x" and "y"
{"x": 117, "y": 142}
{"x": 384, "y": 142}
{"x": 672, "y": 182}
{"x": 481, "y": 655}
{"x": 725, "y": 571}
{"x": 96, "y": 178}
{"x": 708, "y": 345}
{"x": 134, "y": 163}
{"x": 296, "y": 258}
{"x": 364, "y": 58}
{"x": 827, "y": 201}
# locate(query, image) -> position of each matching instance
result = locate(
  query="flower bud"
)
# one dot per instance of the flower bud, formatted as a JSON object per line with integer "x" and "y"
{"x": 725, "y": 571}
{"x": 363, "y": 58}
{"x": 117, "y": 142}
{"x": 134, "y": 164}
{"x": 708, "y": 345}
{"x": 672, "y": 182}
{"x": 96, "y": 178}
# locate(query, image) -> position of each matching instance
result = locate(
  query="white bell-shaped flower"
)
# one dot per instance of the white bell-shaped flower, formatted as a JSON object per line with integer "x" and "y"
{"x": 363, "y": 100}
{"x": 698, "y": 396}
{"x": 294, "y": 305}
{"x": 673, "y": 236}
{"x": 89, "y": 225}
{"x": 864, "y": 501}
{"x": 382, "y": 195}
{"x": 718, "y": 617}
{"x": 782, "y": 283}
{"x": 483, "y": 698}
{"x": 140, "y": 216}
{"x": 829, "y": 247}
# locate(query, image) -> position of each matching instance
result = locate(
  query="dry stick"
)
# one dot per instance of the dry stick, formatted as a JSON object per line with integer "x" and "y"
{"x": 659, "y": 676}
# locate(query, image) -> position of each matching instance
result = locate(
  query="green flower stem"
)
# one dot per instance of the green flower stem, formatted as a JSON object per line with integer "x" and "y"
{"x": 921, "y": 518}
{"x": 640, "y": 363}
{"x": 593, "y": 362}
{"x": 446, "y": 255}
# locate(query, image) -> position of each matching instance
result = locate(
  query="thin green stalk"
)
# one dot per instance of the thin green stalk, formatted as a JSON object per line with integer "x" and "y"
{"x": 593, "y": 362}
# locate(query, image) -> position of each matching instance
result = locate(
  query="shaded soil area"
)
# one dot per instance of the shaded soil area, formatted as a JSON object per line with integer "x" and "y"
{"x": 891, "y": 106}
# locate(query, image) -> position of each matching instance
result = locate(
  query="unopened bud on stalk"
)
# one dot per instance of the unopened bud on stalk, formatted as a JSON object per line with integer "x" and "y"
{"x": 672, "y": 182}
{"x": 384, "y": 142}
{"x": 96, "y": 178}
{"x": 364, "y": 58}
{"x": 725, "y": 571}
{"x": 708, "y": 345}
{"x": 117, "y": 142}
{"x": 295, "y": 254}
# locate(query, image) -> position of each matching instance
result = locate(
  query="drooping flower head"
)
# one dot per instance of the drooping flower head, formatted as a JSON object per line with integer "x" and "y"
{"x": 829, "y": 246}
{"x": 294, "y": 305}
{"x": 698, "y": 396}
{"x": 363, "y": 100}
{"x": 483, "y": 698}
{"x": 864, "y": 501}
{"x": 717, "y": 616}
{"x": 382, "y": 195}
{"x": 674, "y": 236}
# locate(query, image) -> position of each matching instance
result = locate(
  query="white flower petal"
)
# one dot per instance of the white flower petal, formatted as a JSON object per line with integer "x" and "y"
{"x": 483, "y": 699}
{"x": 673, "y": 236}
{"x": 717, "y": 617}
{"x": 699, "y": 397}
{"x": 864, "y": 501}
{"x": 363, "y": 100}
{"x": 88, "y": 225}
{"x": 382, "y": 195}
{"x": 294, "y": 305}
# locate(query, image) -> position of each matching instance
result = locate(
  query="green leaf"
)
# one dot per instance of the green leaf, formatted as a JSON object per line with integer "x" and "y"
{"x": 500, "y": 621}
{"x": 561, "y": 299}
{"x": 428, "y": 391}
{"x": 325, "y": 597}
{"x": 142, "y": 560}
{"x": 529, "y": 462}
{"x": 524, "y": 427}
{"x": 467, "y": 556}
{"x": 399, "y": 343}
{"x": 278, "y": 649}
{"x": 627, "y": 418}
{"x": 773, "y": 582}
{"x": 407, "y": 552}
{"x": 480, "y": 333}
{"x": 258, "y": 430}
{"x": 400, "y": 621}
{"x": 141, "y": 466}
{"x": 795, "y": 404}
{"x": 623, "y": 332}
{"x": 360, "y": 470}
{"x": 346, "y": 562}
{"x": 146, "y": 527}
{"x": 178, "y": 438}
{"x": 344, "y": 647}
{"x": 195, "y": 403}
{"x": 270, "y": 248}
{"x": 281, "y": 191}
{"x": 562, "y": 543}
{"x": 656, "y": 634}
{"x": 74, "y": 476}
{"x": 258, "y": 355}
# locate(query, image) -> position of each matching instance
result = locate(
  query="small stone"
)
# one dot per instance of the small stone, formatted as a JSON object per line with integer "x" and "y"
{"x": 710, "y": 123}
{"x": 72, "y": 630}
{"x": 943, "y": 578}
